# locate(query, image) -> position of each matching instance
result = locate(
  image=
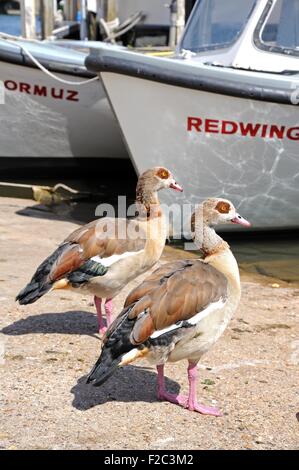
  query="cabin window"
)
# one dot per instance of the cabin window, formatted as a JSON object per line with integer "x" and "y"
{"x": 280, "y": 30}
{"x": 216, "y": 24}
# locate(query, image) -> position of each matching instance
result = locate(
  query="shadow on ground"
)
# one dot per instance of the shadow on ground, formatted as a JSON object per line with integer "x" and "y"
{"x": 128, "y": 384}
{"x": 63, "y": 212}
{"x": 72, "y": 322}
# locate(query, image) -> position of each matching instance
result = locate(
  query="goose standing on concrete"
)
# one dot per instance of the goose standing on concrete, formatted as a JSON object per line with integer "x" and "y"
{"x": 180, "y": 310}
{"x": 103, "y": 256}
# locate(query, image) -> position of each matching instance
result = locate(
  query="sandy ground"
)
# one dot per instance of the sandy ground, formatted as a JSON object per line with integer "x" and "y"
{"x": 46, "y": 350}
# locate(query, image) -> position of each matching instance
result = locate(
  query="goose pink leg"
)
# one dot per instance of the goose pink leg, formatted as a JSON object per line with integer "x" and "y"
{"x": 98, "y": 304}
{"x": 190, "y": 401}
{"x": 109, "y": 311}
{"x": 164, "y": 395}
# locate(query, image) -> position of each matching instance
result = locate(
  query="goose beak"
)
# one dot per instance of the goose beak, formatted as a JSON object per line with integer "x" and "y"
{"x": 174, "y": 185}
{"x": 241, "y": 221}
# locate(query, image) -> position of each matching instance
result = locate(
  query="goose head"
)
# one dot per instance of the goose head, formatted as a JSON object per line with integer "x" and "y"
{"x": 216, "y": 211}
{"x": 155, "y": 179}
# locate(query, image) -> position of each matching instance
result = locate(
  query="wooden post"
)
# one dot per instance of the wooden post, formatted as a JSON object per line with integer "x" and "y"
{"x": 47, "y": 17}
{"x": 180, "y": 22}
{"x": 83, "y": 21}
{"x": 70, "y": 10}
{"x": 109, "y": 10}
{"x": 173, "y": 24}
{"x": 28, "y": 19}
{"x": 99, "y": 5}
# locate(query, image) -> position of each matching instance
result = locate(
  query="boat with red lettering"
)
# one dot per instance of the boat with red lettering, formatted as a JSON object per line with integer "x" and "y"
{"x": 223, "y": 114}
{"x": 44, "y": 117}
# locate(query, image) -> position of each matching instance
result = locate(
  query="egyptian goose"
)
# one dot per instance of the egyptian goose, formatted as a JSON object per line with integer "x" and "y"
{"x": 180, "y": 310}
{"x": 103, "y": 256}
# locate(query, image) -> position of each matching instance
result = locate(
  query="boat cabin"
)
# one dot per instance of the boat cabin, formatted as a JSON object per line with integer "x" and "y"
{"x": 261, "y": 35}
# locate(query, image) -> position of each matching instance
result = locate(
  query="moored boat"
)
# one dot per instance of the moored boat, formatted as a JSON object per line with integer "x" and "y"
{"x": 44, "y": 117}
{"x": 47, "y": 118}
{"x": 223, "y": 114}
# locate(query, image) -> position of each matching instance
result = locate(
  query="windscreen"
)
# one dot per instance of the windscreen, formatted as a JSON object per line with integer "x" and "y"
{"x": 216, "y": 23}
{"x": 281, "y": 28}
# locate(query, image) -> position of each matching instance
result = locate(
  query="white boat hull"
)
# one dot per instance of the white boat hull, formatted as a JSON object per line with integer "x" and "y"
{"x": 258, "y": 173}
{"x": 40, "y": 117}
{"x": 223, "y": 114}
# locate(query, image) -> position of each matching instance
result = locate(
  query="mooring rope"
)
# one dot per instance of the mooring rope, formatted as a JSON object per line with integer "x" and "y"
{"x": 11, "y": 40}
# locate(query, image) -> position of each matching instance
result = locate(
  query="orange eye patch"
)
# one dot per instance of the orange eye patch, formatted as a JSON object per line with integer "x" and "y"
{"x": 163, "y": 173}
{"x": 223, "y": 207}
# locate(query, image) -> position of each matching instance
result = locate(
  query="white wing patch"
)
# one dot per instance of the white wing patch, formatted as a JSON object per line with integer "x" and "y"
{"x": 176, "y": 326}
{"x": 209, "y": 309}
{"x": 129, "y": 357}
{"x": 193, "y": 320}
{"x": 114, "y": 258}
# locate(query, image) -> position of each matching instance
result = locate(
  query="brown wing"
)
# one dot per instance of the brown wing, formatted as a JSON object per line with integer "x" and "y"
{"x": 104, "y": 237}
{"x": 175, "y": 292}
{"x": 152, "y": 281}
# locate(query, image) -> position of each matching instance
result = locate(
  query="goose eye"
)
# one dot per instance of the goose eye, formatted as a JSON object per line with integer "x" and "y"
{"x": 223, "y": 207}
{"x": 163, "y": 174}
